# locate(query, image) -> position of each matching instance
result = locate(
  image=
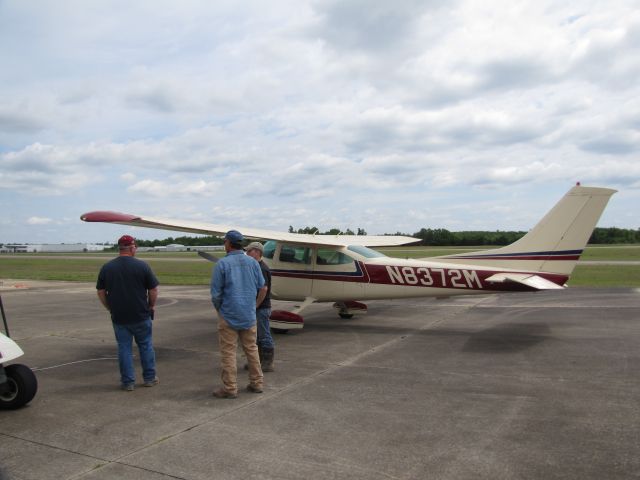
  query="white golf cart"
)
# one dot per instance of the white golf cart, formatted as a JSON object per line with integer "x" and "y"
{"x": 18, "y": 383}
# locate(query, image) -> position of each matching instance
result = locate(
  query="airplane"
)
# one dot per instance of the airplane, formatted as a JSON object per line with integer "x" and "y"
{"x": 345, "y": 270}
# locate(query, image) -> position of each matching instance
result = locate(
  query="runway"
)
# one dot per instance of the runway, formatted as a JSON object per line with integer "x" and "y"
{"x": 515, "y": 386}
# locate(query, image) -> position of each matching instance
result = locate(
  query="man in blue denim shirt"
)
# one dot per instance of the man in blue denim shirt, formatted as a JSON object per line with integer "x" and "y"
{"x": 236, "y": 285}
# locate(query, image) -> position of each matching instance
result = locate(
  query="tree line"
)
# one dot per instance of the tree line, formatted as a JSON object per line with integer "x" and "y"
{"x": 331, "y": 231}
{"x": 202, "y": 241}
{"x": 443, "y": 237}
{"x": 427, "y": 236}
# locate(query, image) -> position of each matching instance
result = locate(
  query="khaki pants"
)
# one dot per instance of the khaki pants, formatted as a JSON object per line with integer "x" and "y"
{"x": 228, "y": 338}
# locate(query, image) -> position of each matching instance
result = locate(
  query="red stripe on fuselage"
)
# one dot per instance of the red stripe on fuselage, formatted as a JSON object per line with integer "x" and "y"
{"x": 421, "y": 276}
{"x": 456, "y": 278}
{"x": 525, "y": 257}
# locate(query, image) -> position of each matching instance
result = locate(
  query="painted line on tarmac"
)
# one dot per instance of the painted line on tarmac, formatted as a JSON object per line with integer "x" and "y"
{"x": 562, "y": 305}
{"x": 73, "y": 363}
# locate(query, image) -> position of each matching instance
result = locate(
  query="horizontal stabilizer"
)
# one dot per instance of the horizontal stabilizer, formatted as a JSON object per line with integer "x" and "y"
{"x": 535, "y": 282}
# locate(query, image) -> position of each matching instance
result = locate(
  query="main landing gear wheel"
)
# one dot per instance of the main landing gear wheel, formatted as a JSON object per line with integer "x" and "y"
{"x": 22, "y": 386}
{"x": 349, "y": 308}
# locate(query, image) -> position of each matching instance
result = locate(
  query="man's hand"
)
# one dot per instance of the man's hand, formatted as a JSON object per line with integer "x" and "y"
{"x": 262, "y": 294}
{"x": 102, "y": 295}
{"x": 152, "y": 296}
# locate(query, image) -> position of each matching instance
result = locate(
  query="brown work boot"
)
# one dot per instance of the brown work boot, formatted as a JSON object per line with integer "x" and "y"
{"x": 254, "y": 389}
{"x": 267, "y": 359}
{"x": 222, "y": 393}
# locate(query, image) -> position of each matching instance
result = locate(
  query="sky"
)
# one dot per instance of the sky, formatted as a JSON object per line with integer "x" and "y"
{"x": 386, "y": 116}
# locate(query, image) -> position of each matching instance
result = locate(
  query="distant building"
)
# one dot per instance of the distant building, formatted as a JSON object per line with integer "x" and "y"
{"x": 12, "y": 248}
{"x": 92, "y": 247}
{"x": 51, "y": 247}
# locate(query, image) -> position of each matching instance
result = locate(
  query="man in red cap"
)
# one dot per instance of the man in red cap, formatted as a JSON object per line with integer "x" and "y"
{"x": 128, "y": 289}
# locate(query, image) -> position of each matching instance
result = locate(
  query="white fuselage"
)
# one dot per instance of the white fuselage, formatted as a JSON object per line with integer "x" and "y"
{"x": 339, "y": 273}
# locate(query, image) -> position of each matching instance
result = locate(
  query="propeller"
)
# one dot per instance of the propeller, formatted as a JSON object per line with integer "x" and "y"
{"x": 208, "y": 256}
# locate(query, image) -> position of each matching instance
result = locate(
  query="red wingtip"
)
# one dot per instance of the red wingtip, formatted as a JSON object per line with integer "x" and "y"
{"x": 109, "y": 217}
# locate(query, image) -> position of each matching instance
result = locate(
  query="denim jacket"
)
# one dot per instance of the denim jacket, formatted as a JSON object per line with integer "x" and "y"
{"x": 235, "y": 283}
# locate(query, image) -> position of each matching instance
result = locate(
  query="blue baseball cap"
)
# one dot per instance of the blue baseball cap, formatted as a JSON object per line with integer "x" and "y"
{"x": 234, "y": 236}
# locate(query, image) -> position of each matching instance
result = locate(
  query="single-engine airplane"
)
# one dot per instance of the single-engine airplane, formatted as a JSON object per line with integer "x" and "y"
{"x": 343, "y": 269}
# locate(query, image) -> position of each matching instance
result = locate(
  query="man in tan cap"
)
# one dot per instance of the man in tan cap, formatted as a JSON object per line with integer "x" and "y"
{"x": 266, "y": 345}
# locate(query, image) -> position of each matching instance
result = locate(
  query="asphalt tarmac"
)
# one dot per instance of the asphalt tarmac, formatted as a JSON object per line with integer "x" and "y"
{"x": 516, "y": 386}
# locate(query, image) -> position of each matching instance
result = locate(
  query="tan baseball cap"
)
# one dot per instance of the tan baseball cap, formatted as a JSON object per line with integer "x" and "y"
{"x": 256, "y": 246}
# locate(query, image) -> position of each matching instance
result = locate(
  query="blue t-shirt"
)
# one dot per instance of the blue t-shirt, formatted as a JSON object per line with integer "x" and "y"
{"x": 235, "y": 283}
{"x": 126, "y": 281}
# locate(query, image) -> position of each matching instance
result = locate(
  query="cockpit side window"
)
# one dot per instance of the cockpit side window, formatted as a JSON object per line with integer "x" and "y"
{"x": 327, "y": 256}
{"x": 365, "y": 251}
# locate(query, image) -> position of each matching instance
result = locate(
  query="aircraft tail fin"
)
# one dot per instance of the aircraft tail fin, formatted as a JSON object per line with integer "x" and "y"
{"x": 555, "y": 244}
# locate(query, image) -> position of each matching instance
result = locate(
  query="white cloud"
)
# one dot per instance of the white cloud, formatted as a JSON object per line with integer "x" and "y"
{"x": 39, "y": 221}
{"x": 294, "y": 110}
{"x": 155, "y": 188}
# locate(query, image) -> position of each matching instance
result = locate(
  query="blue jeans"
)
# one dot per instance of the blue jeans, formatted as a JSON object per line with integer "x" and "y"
{"x": 264, "y": 332}
{"x": 142, "y": 333}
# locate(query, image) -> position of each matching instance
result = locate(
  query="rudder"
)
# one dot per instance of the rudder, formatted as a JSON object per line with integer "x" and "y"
{"x": 555, "y": 244}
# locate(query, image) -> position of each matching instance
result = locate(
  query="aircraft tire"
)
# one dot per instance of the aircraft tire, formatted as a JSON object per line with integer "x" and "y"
{"x": 346, "y": 316}
{"x": 23, "y": 386}
{"x": 279, "y": 331}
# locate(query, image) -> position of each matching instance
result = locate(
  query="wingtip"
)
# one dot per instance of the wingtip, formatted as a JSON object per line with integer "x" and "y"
{"x": 108, "y": 217}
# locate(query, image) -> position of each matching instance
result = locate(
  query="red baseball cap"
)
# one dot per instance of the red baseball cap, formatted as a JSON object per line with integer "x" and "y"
{"x": 126, "y": 240}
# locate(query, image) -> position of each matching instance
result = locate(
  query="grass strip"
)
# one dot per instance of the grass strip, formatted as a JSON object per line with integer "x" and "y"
{"x": 188, "y": 269}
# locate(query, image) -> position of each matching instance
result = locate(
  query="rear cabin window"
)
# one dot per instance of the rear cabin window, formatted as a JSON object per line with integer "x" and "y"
{"x": 295, "y": 254}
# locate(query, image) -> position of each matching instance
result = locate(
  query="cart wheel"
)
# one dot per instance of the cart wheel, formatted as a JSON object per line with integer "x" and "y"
{"x": 22, "y": 384}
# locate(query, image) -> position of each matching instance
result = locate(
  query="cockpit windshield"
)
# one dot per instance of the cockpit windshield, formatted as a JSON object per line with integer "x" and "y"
{"x": 269, "y": 249}
{"x": 365, "y": 251}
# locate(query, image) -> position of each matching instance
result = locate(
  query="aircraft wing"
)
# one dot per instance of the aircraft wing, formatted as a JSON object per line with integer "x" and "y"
{"x": 249, "y": 233}
{"x": 533, "y": 281}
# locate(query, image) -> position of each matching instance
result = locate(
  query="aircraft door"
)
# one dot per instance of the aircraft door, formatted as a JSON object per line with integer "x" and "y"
{"x": 291, "y": 271}
{"x": 336, "y": 275}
